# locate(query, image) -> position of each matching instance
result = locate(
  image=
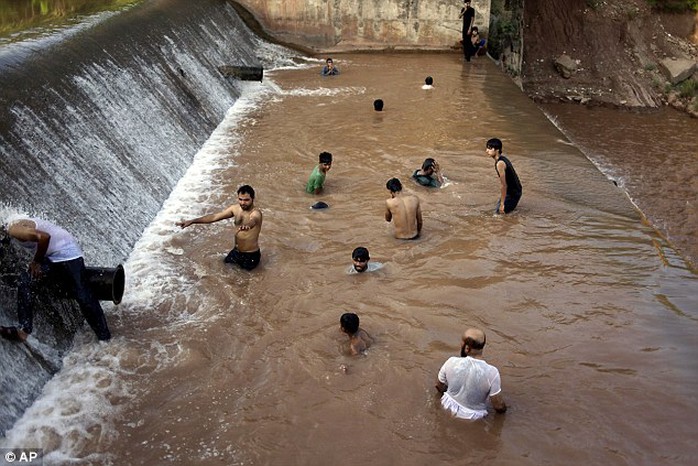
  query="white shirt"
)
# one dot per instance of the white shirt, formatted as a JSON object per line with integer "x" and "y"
{"x": 61, "y": 247}
{"x": 470, "y": 382}
{"x": 372, "y": 267}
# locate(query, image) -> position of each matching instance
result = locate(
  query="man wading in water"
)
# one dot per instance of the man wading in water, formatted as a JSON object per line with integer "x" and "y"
{"x": 248, "y": 220}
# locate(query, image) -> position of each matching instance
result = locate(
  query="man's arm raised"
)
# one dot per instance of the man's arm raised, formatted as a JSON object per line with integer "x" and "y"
{"x": 210, "y": 218}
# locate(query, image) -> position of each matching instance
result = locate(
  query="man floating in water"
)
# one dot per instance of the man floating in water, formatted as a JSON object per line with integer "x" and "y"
{"x": 403, "y": 210}
{"x": 510, "y": 185}
{"x": 248, "y": 220}
{"x": 57, "y": 260}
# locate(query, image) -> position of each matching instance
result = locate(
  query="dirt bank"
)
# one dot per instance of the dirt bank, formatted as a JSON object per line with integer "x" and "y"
{"x": 617, "y": 46}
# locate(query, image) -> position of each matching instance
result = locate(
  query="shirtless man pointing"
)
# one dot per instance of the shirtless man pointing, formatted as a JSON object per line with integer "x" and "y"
{"x": 403, "y": 210}
{"x": 248, "y": 220}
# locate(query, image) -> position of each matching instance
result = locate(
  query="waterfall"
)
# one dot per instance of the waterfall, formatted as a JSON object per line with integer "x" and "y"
{"x": 97, "y": 125}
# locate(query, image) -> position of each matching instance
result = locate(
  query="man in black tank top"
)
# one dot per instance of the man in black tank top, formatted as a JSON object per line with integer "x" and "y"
{"x": 510, "y": 184}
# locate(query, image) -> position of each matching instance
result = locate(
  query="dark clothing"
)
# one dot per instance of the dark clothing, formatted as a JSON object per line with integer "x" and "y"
{"x": 68, "y": 277}
{"x": 468, "y": 16}
{"x": 514, "y": 188}
{"x": 246, "y": 260}
{"x": 425, "y": 180}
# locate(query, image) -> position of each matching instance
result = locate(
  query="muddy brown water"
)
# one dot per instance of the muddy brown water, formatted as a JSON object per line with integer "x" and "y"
{"x": 590, "y": 315}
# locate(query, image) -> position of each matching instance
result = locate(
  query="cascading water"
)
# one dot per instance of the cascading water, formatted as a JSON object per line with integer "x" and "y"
{"x": 97, "y": 124}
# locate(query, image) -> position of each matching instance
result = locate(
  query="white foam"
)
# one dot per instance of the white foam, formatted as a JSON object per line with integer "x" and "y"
{"x": 65, "y": 425}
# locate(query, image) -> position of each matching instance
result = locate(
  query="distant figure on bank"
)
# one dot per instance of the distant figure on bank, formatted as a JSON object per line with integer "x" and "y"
{"x": 404, "y": 210}
{"x": 317, "y": 178}
{"x": 466, "y": 382}
{"x": 430, "y": 174}
{"x": 509, "y": 181}
{"x": 57, "y": 261}
{"x": 248, "y": 220}
{"x": 378, "y": 105}
{"x": 329, "y": 69}
{"x": 360, "y": 262}
{"x": 477, "y": 43}
{"x": 428, "y": 83}
{"x": 359, "y": 339}
{"x": 467, "y": 13}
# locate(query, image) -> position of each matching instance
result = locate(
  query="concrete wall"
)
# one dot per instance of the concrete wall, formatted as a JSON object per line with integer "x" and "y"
{"x": 337, "y": 25}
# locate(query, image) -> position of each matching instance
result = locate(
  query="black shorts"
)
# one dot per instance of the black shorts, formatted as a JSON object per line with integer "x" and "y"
{"x": 246, "y": 260}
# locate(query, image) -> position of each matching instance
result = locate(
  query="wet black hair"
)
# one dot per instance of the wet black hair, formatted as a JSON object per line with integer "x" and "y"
{"x": 394, "y": 185}
{"x": 495, "y": 144}
{"x": 349, "y": 322}
{"x": 246, "y": 189}
{"x": 360, "y": 253}
{"x": 428, "y": 163}
{"x": 325, "y": 157}
{"x": 429, "y": 81}
{"x": 378, "y": 105}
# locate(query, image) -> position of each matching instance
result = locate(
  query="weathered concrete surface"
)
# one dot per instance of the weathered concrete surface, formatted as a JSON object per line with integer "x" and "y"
{"x": 677, "y": 70}
{"x": 338, "y": 25}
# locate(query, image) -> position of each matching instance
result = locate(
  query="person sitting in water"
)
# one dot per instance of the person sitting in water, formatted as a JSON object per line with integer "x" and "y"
{"x": 430, "y": 174}
{"x": 317, "y": 178}
{"x": 360, "y": 259}
{"x": 57, "y": 260}
{"x": 378, "y": 105}
{"x": 329, "y": 69}
{"x": 359, "y": 339}
{"x": 428, "y": 83}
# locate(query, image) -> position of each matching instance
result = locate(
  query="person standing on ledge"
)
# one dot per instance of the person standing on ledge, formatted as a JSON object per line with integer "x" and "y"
{"x": 466, "y": 382}
{"x": 248, "y": 220}
{"x": 511, "y": 189}
{"x": 404, "y": 209}
{"x": 329, "y": 69}
{"x": 57, "y": 261}
{"x": 468, "y": 15}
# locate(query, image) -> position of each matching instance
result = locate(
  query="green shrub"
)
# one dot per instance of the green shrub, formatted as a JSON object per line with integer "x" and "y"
{"x": 688, "y": 88}
{"x": 674, "y": 6}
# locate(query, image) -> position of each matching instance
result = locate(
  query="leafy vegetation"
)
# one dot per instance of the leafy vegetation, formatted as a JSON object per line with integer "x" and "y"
{"x": 674, "y": 6}
{"x": 688, "y": 89}
{"x": 505, "y": 26}
{"x": 21, "y": 15}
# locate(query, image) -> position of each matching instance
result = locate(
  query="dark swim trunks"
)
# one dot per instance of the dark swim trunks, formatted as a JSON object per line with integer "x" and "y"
{"x": 246, "y": 260}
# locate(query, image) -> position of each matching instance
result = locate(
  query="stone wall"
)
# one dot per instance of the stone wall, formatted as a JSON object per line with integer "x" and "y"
{"x": 339, "y": 25}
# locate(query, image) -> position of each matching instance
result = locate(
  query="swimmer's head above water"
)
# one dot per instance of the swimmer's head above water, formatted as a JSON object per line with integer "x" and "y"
{"x": 360, "y": 258}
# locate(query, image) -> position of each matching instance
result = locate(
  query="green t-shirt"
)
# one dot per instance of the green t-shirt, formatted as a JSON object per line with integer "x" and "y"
{"x": 316, "y": 180}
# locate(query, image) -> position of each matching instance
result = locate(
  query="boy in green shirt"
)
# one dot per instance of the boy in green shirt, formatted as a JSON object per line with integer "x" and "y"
{"x": 317, "y": 177}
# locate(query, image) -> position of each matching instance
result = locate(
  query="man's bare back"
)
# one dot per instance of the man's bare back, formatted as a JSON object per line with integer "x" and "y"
{"x": 406, "y": 214}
